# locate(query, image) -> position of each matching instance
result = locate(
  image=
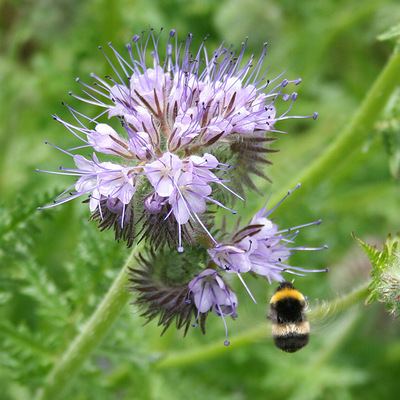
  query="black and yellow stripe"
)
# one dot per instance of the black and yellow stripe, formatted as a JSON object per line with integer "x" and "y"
{"x": 290, "y": 328}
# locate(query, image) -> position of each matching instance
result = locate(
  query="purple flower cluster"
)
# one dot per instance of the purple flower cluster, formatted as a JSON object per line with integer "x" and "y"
{"x": 190, "y": 127}
{"x": 173, "y": 116}
{"x": 260, "y": 247}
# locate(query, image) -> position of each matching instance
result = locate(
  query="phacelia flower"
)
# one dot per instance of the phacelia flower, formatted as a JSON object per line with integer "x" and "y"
{"x": 192, "y": 125}
{"x": 168, "y": 143}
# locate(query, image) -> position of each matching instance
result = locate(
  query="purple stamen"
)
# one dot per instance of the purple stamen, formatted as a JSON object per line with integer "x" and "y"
{"x": 246, "y": 287}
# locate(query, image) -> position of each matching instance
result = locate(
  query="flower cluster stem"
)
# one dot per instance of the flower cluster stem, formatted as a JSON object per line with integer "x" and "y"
{"x": 354, "y": 134}
{"x": 339, "y": 304}
{"x": 85, "y": 343}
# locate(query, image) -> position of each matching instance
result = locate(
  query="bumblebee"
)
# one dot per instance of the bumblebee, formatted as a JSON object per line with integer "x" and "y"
{"x": 290, "y": 328}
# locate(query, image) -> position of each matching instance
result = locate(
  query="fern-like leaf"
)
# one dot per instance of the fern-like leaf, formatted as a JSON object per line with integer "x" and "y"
{"x": 385, "y": 273}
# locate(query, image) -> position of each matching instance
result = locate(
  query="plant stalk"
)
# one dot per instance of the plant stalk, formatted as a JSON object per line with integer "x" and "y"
{"x": 353, "y": 136}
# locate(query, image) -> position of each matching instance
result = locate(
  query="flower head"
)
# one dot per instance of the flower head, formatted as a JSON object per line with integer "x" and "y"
{"x": 186, "y": 121}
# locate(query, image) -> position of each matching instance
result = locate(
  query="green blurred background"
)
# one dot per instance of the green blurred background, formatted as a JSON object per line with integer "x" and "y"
{"x": 332, "y": 45}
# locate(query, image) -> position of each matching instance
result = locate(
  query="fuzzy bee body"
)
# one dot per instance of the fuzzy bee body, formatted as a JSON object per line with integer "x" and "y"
{"x": 290, "y": 328}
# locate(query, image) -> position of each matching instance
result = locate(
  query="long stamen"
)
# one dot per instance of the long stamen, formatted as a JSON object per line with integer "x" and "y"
{"x": 270, "y": 211}
{"x": 227, "y": 342}
{"x": 246, "y": 287}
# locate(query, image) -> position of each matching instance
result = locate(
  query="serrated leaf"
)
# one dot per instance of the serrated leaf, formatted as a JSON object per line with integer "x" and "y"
{"x": 52, "y": 305}
{"x": 385, "y": 273}
{"x": 26, "y": 355}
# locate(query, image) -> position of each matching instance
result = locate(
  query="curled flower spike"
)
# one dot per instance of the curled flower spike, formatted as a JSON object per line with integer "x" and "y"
{"x": 160, "y": 284}
{"x": 260, "y": 247}
{"x": 172, "y": 287}
{"x": 193, "y": 127}
{"x": 190, "y": 131}
{"x": 185, "y": 121}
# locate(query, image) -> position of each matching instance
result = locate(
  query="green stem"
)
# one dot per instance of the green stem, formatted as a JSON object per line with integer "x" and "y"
{"x": 85, "y": 343}
{"x": 353, "y": 136}
{"x": 188, "y": 357}
{"x": 339, "y": 304}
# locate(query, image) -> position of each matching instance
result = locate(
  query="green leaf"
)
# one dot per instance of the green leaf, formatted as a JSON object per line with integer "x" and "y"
{"x": 385, "y": 273}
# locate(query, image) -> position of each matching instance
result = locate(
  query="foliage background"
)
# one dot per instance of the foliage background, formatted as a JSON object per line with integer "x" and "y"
{"x": 55, "y": 265}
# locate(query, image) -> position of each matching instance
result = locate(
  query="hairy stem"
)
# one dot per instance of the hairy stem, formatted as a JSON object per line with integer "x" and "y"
{"x": 354, "y": 134}
{"x": 85, "y": 343}
{"x": 339, "y": 304}
{"x": 188, "y": 357}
